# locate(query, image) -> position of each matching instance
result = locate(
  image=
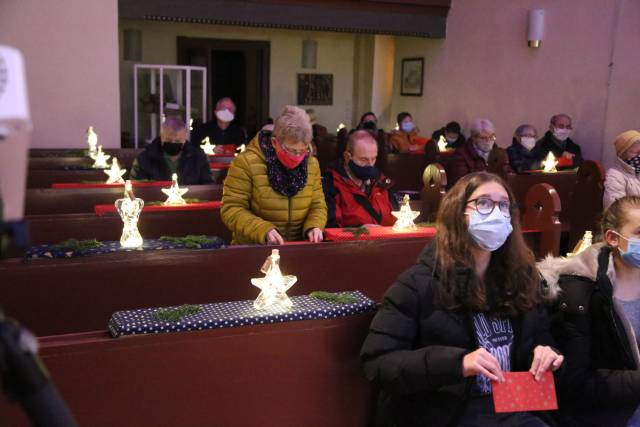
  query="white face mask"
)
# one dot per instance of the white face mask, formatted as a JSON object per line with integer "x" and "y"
{"x": 484, "y": 146}
{"x": 528, "y": 142}
{"x": 225, "y": 115}
{"x": 561, "y": 134}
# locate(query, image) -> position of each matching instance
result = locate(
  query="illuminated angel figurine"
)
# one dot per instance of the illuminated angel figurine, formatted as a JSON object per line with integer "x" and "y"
{"x": 273, "y": 285}
{"x": 442, "y": 144}
{"x": 115, "y": 173}
{"x": 549, "y": 164}
{"x": 240, "y": 149}
{"x": 174, "y": 193}
{"x": 92, "y": 140}
{"x": 207, "y": 147}
{"x": 101, "y": 159}
{"x": 129, "y": 208}
{"x": 405, "y": 216}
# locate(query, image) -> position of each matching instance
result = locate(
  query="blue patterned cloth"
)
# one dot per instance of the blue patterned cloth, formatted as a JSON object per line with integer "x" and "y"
{"x": 51, "y": 251}
{"x": 237, "y": 313}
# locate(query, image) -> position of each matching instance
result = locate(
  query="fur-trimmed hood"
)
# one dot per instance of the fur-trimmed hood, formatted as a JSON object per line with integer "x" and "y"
{"x": 584, "y": 264}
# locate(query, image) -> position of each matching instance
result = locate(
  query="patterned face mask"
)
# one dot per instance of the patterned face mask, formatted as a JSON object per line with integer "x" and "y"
{"x": 635, "y": 162}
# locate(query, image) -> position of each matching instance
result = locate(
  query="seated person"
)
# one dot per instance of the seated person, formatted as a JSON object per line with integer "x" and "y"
{"x": 557, "y": 141}
{"x": 596, "y": 323}
{"x": 169, "y": 154}
{"x": 468, "y": 311}
{"x": 273, "y": 191}
{"x": 355, "y": 191}
{"x": 622, "y": 179}
{"x": 452, "y": 133}
{"x": 406, "y": 139}
{"x": 221, "y": 130}
{"x": 473, "y": 156}
{"x": 521, "y": 156}
{"x": 368, "y": 121}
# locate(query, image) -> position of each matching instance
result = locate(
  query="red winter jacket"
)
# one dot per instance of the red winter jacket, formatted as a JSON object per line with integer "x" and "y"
{"x": 349, "y": 206}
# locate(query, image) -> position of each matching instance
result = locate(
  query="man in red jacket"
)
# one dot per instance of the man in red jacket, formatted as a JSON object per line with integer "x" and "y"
{"x": 355, "y": 191}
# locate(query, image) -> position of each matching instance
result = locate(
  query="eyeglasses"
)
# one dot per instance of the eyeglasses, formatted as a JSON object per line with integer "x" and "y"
{"x": 485, "y": 206}
{"x": 491, "y": 138}
{"x": 295, "y": 152}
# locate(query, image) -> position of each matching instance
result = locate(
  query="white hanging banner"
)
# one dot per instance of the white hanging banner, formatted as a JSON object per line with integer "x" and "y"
{"x": 14, "y": 100}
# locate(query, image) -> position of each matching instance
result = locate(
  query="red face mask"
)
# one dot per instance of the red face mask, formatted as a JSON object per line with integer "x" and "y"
{"x": 288, "y": 160}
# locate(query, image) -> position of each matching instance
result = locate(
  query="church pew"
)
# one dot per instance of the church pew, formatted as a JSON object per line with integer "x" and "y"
{"x": 49, "y": 201}
{"x": 43, "y": 178}
{"x": 76, "y": 152}
{"x": 301, "y": 373}
{"x": 585, "y": 206}
{"x": 405, "y": 170}
{"x": 58, "y": 296}
{"x": 125, "y": 160}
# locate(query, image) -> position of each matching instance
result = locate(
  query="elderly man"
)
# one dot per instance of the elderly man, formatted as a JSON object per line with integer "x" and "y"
{"x": 473, "y": 155}
{"x": 557, "y": 141}
{"x": 355, "y": 191}
{"x": 221, "y": 130}
{"x": 169, "y": 154}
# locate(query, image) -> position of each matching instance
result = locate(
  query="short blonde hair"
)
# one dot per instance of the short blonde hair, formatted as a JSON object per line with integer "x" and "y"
{"x": 293, "y": 123}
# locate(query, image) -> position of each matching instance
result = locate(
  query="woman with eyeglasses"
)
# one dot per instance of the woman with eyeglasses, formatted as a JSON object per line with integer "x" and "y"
{"x": 596, "y": 323}
{"x": 273, "y": 191}
{"x": 466, "y": 313}
{"x": 472, "y": 156}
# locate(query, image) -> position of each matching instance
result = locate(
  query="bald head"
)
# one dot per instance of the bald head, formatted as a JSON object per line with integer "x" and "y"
{"x": 362, "y": 148}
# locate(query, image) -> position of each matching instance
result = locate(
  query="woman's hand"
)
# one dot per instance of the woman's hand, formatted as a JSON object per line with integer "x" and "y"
{"x": 481, "y": 362}
{"x": 544, "y": 358}
{"x": 315, "y": 235}
{"x": 274, "y": 238}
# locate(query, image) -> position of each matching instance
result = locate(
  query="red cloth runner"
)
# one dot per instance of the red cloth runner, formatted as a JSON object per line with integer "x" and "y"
{"x": 71, "y": 185}
{"x": 218, "y": 165}
{"x": 101, "y": 210}
{"x": 377, "y": 233}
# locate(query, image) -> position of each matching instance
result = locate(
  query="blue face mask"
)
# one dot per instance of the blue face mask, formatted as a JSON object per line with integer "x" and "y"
{"x": 631, "y": 256}
{"x": 489, "y": 231}
{"x": 407, "y": 127}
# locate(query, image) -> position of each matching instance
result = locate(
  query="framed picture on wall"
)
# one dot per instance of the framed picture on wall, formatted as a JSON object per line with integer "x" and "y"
{"x": 412, "y": 77}
{"x": 315, "y": 89}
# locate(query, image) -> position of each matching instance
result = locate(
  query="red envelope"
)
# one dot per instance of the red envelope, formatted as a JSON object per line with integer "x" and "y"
{"x": 520, "y": 392}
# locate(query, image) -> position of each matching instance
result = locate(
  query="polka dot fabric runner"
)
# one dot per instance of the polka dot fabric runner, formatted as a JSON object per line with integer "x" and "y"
{"x": 237, "y": 313}
{"x": 52, "y": 251}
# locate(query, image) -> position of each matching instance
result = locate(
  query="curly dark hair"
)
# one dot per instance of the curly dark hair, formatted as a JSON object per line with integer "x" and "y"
{"x": 511, "y": 284}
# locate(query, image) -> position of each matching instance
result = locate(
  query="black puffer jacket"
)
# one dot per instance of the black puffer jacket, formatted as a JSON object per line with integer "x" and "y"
{"x": 601, "y": 382}
{"x": 520, "y": 158}
{"x": 546, "y": 144}
{"x": 414, "y": 349}
{"x": 193, "y": 165}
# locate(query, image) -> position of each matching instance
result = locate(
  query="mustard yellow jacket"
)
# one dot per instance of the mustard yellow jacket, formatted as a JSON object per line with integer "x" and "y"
{"x": 250, "y": 207}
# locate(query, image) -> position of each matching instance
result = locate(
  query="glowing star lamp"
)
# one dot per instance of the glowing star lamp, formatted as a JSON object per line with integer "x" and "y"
{"x": 129, "y": 208}
{"x": 340, "y": 127}
{"x": 115, "y": 173}
{"x": 190, "y": 124}
{"x": 92, "y": 140}
{"x": 207, "y": 147}
{"x": 101, "y": 159}
{"x": 442, "y": 144}
{"x": 405, "y": 216}
{"x": 240, "y": 149}
{"x": 583, "y": 244}
{"x": 549, "y": 164}
{"x": 174, "y": 193}
{"x": 273, "y": 285}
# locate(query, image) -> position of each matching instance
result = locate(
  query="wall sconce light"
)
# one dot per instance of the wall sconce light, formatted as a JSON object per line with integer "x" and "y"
{"x": 309, "y": 53}
{"x": 535, "y": 31}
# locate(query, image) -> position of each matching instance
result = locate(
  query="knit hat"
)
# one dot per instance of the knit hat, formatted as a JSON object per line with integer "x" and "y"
{"x": 625, "y": 140}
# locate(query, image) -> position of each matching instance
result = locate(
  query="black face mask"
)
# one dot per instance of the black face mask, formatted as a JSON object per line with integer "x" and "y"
{"x": 364, "y": 172}
{"x": 172, "y": 148}
{"x": 369, "y": 125}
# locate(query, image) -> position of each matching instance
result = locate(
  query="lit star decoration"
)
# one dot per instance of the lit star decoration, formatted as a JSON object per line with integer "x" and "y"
{"x": 92, "y": 140}
{"x": 340, "y": 127}
{"x": 101, "y": 159}
{"x": 442, "y": 144}
{"x": 240, "y": 149}
{"x": 273, "y": 285}
{"x": 207, "y": 147}
{"x": 115, "y": 173}
{"x": 405, "y": 216}
{"x": 549, "y": 164}
{"x": 129, "y": 208}
{"x": 190, "y": 124}
{"x": 174, "y": 193}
